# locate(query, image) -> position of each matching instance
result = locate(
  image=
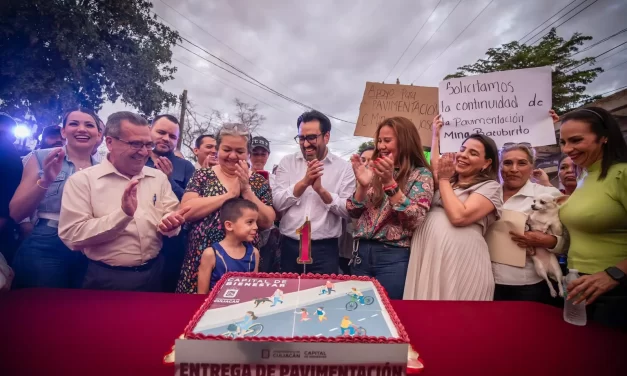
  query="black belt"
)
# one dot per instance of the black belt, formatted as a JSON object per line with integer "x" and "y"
{"x": 139, "y": 268}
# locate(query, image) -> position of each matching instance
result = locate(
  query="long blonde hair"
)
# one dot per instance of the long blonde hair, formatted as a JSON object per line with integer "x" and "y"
{"x": 410, "y": 154}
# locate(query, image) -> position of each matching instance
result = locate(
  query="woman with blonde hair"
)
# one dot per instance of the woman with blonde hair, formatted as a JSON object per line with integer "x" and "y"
{"x": 449, "y": 256}
{"x": 392, "y": 199}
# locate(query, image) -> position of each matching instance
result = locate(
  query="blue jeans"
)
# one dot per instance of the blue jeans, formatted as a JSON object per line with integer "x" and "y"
{"x": 42, "y": 260}
{"x": 385, "y": 263}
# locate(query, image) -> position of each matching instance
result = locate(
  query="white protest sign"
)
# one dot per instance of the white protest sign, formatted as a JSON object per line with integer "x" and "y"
{"x": 509, "y": 106}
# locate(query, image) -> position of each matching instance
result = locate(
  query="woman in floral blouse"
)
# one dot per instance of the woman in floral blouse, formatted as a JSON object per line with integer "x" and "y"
{"x": 392, "y": 199}
{"x": 210, "y": 187}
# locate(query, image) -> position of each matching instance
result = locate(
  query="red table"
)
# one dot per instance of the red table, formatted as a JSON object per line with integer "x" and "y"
{"x": 78, "y": 332}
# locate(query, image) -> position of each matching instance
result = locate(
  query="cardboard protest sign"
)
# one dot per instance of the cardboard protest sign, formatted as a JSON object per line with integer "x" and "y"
{"x": 418, "y": 104}
{"x": 509, "y": 106}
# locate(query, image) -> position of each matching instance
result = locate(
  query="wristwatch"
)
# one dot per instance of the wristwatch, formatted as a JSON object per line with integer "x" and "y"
{"x": 392, "y": 191}
{"x": 616, "y": 274}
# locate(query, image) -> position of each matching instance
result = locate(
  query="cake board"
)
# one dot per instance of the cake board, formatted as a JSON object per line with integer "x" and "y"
{"x": 259, "y": 321}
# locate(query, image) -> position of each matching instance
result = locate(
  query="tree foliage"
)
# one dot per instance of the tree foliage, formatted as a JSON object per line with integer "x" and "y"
{"x": 197, "y": 125}
{"x": 247, "y": 114}
{"x": 57, "y": 54}
{"x": 570, "y": 75}
{"x": 364, "y": 146}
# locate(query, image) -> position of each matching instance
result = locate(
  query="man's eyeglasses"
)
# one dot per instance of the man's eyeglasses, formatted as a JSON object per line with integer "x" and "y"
{"x": 137, "y": 145}
{"x": 311, "y": 138}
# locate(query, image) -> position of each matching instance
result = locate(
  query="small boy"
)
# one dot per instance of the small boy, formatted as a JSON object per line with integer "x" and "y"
{"x": 235, "y": 253}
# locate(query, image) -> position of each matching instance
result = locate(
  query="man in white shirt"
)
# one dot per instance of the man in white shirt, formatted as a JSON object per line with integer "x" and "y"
{"x": 117, "y": 211}
{"x": 314, "y": 184}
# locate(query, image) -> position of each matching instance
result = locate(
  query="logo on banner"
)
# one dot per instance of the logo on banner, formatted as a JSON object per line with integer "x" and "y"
{"x": 265, "y": 354}
{"x": 230, "y": 293}
{"x": 285, "y": 354}
{"x": 315, "y": 355}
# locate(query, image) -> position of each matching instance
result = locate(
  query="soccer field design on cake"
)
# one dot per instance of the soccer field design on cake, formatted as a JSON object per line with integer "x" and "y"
{"x": 250, "y": 306}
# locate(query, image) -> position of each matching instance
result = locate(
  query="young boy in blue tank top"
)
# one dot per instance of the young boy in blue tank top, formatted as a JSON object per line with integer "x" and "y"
{"x": 235, "y": 253}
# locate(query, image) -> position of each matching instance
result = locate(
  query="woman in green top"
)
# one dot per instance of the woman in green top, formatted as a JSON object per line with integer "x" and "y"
{"x": 596, "y": 213}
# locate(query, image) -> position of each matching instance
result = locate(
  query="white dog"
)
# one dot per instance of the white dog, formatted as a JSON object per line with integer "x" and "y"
{"x": 545, "y": 218}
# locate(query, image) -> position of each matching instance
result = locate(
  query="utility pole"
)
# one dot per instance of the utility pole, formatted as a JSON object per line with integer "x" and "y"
{"x": 182, "y": 118}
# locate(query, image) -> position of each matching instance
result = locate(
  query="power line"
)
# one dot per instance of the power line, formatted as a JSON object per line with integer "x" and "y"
{"x": 611, "y": 49}
{"x": 611, "y": 91}
{"x": 428, "y": 40}
{"x": 233, "y": 87}
{"x": 208, "y": 33}
{"x": 617, "y": 65}
{"x": 610, "y": 55}
{"x": 599, "y": 42}
{"x": 450, "y": 44}
{"x": 552, "y": 23}
{"x": 548, "y": 19}
{"x": 413, "y": 39}
{"x": 257, "y": 82}
{"x": 573, "y": 16}
{"x": 224, "y": 69}
{"x": 219, "y": 59}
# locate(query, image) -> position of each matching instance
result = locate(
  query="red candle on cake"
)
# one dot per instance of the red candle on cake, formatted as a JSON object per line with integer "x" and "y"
{"x": 304, "y": 249}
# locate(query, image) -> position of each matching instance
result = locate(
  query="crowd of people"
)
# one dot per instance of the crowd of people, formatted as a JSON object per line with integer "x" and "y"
{"x": 145, "y": 219}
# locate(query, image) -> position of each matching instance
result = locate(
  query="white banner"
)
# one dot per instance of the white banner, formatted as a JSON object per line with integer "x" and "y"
{"x": 509, "y": 106}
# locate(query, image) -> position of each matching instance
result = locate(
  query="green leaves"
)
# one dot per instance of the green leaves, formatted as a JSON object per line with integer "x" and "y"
{"x": 569, "y": 77}
{"x": 364, "y": 146}
{"x": 59, "y": 54}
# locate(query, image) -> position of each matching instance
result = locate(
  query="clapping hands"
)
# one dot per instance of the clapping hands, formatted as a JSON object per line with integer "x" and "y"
{"x": 243, "y": 176}
{"x": 446, "y": 166}
{"x": 129, "y": 198}
{"x": 363, "y": 175}
{"x": 383, "y": 167}
{"x": 164, "y": 164}
{"x": 52, "y": 166}
{"x": 315, "y": 170}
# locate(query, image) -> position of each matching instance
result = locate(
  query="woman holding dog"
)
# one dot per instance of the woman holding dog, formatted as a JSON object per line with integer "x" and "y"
{"x": 517, "y": 170}
{"x": 514, "y": 283}
{"x": 596, "y": 214}
{"x": 449, "y": 257}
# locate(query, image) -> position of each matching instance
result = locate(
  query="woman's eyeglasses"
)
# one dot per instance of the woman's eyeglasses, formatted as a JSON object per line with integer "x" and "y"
{"x": 137, "y": 145}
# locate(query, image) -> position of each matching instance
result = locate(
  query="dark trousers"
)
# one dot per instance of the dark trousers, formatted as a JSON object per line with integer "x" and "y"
{"x": 173, "y": 251}
{"x": 386, "y": 263}
{"x": 538, "y": 292}
{"x": 325, "y": 254}
{"x": 270, "y": 253}
{"x": 344, "y": 267}
{"x": 149, "y": 278}
{"x": 43, "y": 260}
{"x": 610, "y": 309}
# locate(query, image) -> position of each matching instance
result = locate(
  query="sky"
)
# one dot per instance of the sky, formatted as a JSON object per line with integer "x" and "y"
{"x": 323, "y": 52}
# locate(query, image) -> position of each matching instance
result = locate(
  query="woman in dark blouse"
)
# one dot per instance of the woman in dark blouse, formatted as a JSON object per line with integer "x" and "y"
{"x": 210, "y": 187}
